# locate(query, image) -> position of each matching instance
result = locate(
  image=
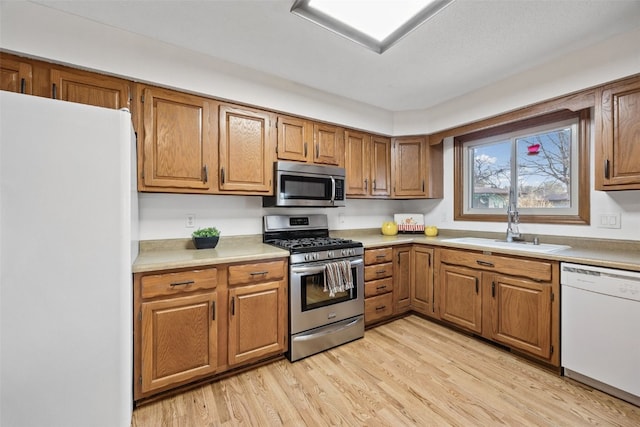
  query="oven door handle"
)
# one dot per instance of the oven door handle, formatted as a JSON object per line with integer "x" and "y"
{"x": 315, "y": 269}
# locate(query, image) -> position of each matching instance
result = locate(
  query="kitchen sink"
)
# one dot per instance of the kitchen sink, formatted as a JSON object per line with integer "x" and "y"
{"x": 503, "y": 244}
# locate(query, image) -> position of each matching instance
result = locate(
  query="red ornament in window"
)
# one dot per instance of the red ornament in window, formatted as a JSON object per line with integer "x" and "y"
{"x": 533, "y": 149}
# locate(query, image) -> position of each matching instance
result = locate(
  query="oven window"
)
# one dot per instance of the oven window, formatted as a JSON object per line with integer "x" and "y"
{"x": 299, "y": 187}
{"x": 314, "y": 296}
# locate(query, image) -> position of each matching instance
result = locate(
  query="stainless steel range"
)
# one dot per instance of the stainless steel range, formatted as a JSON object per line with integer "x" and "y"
{"x": 326, "y": 283}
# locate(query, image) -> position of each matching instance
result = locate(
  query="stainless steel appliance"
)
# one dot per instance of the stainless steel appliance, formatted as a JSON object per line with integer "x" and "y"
{"x": 600, "y": 334}
{"x": 317, "y": 320}
{"x": 300, "y": 184}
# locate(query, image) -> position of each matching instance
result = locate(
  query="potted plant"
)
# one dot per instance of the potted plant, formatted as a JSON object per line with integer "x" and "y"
{"x": 205, "y": 238}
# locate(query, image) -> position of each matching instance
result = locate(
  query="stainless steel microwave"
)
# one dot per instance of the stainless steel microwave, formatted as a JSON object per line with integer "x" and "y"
{"x": 301, "y": 184}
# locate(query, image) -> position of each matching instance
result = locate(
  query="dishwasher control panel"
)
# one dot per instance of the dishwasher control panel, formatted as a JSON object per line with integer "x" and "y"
{"x": 607, "y": 281}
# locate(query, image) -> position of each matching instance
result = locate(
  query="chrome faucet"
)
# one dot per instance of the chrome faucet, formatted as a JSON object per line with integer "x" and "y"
{"x": 513, "y": 219}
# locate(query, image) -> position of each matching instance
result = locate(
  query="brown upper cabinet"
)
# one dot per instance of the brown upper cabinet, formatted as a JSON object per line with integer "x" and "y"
{"x": 178, "y": 137}
{"x": 89, "y": 88}
{"x": 246, "y": 146}
{"x": 15, "y": 75}
{"x": 409, "y": 167}
{"x": 617, "y": 164}
{"x": 367, "y": 163}
{"x": 328, "y": 141}
{"x": 416, "y": 168}
{"x": 311, "y": 142}
{"x": 295, "y": 139}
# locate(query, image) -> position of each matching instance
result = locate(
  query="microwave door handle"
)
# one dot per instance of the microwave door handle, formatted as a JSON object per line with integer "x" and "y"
{"x": 333, "y": 190}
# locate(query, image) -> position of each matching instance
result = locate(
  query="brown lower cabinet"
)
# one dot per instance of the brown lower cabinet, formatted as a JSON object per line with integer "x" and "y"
{"x": 510, "y": 300}
{"x": 192, "y": 324}
{"x": 378, "y": 284}
{"x": 398, "y": 279}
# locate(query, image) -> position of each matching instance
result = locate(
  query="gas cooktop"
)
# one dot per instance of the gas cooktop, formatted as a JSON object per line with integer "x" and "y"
{"x": 303, "y": 233}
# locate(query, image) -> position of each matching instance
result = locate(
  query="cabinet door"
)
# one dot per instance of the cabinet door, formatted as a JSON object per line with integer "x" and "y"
{"x": 15, "y": 76}
{"x": 618, "y": 137}
{"x": 409, "y": 167}
{"x": 179, "y": 340}
{"x": 422, "y": 284}
{"x": 357, "y": 159}
{"x": 295, "y": 139}
{"x": 89, "y": 88}
{"x": 521, "y": 314}
{"x": 402, "y": 279}
{"x": 246, "y": 148}
{"x": 460, "y": 296}
{"x": 328, "y": 143}
{"x": 178, "y": 142}
{"x": 380, "y": 173}
{"x": 257, "y": 321}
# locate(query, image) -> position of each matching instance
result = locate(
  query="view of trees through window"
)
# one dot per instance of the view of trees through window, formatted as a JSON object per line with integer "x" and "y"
{"x": 539, "y": 162}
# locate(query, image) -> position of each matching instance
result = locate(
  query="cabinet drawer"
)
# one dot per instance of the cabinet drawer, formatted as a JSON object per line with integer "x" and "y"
{"x": 174, "y": 283}
{"x": 377, "y": 287}
{"x": 256, "y": 273}
{"x": 378, "y": 271}
{"x": 540, "y": 271}
{"x": 378, "y": 256}
{"x": 378, "y": 307}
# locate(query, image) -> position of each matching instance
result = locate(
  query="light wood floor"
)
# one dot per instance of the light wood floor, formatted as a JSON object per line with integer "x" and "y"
{"x": 410, "y": 372}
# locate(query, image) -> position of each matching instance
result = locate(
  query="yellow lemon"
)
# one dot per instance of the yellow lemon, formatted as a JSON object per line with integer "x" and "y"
{"x": 431, "y": 230}
{"x": 389, "y": 228}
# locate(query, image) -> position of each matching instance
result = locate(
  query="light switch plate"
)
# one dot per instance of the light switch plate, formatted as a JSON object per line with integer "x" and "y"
{"x": 609, "y": 220}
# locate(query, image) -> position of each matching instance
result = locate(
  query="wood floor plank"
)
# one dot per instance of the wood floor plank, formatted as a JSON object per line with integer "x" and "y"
{"x": 411, "y": 372}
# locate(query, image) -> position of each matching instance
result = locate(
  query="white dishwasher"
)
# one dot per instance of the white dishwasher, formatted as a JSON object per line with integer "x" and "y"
{"x": 601, "y": 328}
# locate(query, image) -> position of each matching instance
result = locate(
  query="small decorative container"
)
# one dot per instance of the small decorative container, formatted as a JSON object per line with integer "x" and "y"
{"x": 205, "y": 238}
{"x": 410, "y": 223}
{"x": 206, "y": 242}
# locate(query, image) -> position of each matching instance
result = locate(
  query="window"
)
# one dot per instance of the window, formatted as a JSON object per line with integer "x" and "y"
{"x": 538, "y": 163}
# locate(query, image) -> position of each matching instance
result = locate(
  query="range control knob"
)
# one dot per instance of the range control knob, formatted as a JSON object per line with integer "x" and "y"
{"x": 330, "y": 254}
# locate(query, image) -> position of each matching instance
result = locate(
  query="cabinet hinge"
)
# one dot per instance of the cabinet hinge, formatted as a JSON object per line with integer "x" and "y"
{"x": 140, "y": 380}
{"x": 142, "y": 98}
{"x": 551, "y": 349}
{"x": 140, "y": 316}
{"x": 552, "y": 297}
{"x": 276, "y": 148}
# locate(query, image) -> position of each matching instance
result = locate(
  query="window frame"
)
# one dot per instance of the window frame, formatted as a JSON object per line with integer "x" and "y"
{"x": 583, "y": 186}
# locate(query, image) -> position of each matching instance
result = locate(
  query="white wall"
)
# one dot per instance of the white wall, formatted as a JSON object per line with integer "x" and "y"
{"x": 42, "y": 32}
{"x": 163, "y": 216}
{"x": 46, "y": 33}
{"x": 609, "y": 60}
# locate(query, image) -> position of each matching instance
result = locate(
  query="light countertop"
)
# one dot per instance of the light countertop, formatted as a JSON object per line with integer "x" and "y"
{"x": 180, "y": 253}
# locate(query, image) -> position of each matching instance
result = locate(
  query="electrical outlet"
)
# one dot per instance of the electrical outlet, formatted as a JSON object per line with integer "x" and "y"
{"x": 190, "y": 221}
{"x": 341, "y": 218}
{"x": 609, "y": 220}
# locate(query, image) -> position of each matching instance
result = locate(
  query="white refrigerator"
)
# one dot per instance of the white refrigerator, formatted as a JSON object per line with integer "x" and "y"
{"x": 68, "y": 232}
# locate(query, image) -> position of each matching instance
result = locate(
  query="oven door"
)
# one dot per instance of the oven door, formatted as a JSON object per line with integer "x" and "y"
{"x": 310, "y": 306}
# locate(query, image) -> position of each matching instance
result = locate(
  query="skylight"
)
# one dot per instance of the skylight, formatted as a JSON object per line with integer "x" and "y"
{"x": 375, "y": 24}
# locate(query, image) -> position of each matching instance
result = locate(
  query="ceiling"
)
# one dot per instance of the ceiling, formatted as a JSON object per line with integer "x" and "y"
{"x": 468, "y": 45}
